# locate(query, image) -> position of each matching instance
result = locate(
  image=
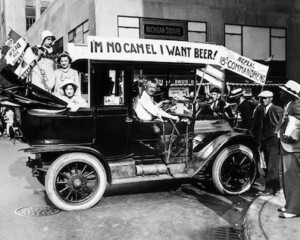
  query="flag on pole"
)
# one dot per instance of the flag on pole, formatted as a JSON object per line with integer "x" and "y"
{"x": 17, "y": 55}
{"x": 212, "y": 74}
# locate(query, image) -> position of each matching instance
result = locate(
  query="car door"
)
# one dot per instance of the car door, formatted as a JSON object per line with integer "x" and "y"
{"x": 109, "y": 98}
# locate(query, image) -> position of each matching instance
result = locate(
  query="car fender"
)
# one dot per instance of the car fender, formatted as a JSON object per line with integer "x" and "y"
{"x": 71, "y": 148}
{"x": 207, "y": 153}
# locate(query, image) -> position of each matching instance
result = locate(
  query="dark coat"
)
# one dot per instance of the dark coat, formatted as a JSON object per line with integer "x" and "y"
{"x": 246, "y": 109}
{"x": 266, "y": 126}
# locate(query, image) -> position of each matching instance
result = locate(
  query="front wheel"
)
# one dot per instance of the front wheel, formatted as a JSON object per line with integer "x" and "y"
{"x": 75, "y": 181}
{"x": 234, "y": 170}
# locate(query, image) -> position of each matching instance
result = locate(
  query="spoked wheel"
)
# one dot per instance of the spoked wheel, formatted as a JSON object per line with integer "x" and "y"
{"x": 234, "y": 170}
{"x": 75, "y": 181}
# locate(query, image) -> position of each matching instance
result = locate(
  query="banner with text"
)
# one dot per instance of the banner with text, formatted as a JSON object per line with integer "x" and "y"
{"x": 126, "y": 49}
{"x": 244, "y": 66}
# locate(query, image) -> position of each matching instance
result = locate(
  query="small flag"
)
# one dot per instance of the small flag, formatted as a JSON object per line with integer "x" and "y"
{"x": 17, "y": 55}
{"x": 269, "y": 59}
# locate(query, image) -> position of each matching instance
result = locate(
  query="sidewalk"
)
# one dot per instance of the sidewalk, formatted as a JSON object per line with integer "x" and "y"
{"x": 262, "y": 221}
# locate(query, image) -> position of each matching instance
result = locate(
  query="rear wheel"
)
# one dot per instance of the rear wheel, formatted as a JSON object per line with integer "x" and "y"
{"x": 75, "y": 181}
{"x": 234, "y": 170}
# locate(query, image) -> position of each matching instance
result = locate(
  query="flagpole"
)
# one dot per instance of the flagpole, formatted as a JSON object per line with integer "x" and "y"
{"x": 202, "y": 77}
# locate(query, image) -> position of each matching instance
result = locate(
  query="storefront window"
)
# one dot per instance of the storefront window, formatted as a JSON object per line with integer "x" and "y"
{"x": 129, "y": 27}
{"x": 197, "y": 32}
{"x": 256, "y": 42}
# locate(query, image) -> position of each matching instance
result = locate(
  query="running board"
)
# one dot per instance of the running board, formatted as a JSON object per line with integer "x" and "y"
{"x": 149, "y": 178}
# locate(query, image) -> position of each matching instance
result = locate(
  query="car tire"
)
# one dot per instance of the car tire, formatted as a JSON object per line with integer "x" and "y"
{"x": 234, "y": 170}
{"x": 75, "y": 181}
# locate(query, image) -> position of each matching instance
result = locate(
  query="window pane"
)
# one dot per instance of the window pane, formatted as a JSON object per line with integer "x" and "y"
{"x": 278, "y": 32}
{"x": 86, "y": 26}
{"x": 79, "y": 35}
{"x": 196, "y": 26}
{"x": 129, "y": 32}
{"x": 233, "y": 29}
{"x": 256, "y": 43}
{"x": 85, "y": 36}
{"x": 278, "y": 49}
{"x": 70, "y": 36}
{"x": 129, "y": 22}
{"x": 196, "y": 37}
{"x": 234, "y": 43}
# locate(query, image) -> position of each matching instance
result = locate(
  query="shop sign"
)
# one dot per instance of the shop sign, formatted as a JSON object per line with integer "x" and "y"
{"x": 179, "y": 92}
{"x": 163, "y": 29}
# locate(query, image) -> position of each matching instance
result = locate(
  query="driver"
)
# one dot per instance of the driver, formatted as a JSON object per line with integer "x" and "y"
{"x": 146, "y": 108}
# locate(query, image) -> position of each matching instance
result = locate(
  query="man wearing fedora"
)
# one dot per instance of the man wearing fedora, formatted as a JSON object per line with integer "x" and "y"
{"x": 245, "y": 108}
{"x": 266, "y": 118}
{"x": 289, "y": 133}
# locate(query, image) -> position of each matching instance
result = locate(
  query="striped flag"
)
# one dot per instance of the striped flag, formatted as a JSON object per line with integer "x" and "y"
{"x": 17, "y": 55}
{"x": 211, "y": 74}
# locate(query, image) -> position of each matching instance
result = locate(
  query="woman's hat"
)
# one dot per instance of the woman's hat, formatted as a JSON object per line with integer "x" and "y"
{"x": 68, "y": 82}
{"x": 266, "y": 94}
{"x": 292, "y": 88}
{"x": 236, "y": 93}
{"x": 46, "y": 34}
{"x": 63, "y": 54}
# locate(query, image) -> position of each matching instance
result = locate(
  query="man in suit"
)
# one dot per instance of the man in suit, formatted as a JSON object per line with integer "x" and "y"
{"x": 245, "y": 108}
{"x": 266, "y": 118}
{"x": 289, "y": 133}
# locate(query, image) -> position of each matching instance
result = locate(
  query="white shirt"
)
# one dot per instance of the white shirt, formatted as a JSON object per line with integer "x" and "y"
{"x": 268, "y": 107}
{"x": 146, "y": 108}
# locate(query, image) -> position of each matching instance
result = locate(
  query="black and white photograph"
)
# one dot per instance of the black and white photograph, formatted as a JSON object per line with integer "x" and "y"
{"x": 149, "y": 119}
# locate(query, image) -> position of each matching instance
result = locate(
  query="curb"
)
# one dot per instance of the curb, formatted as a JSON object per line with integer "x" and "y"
{"x": 252, "y": 224}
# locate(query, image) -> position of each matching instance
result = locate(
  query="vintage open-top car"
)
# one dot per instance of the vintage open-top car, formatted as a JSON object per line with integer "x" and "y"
{"x": 78, "y": 153}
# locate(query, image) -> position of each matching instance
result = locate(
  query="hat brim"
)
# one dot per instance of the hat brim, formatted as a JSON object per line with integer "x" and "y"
{"x": 289, "y": 91}
{"x": 69, "y": 83}
{"x": 53, "y": 39}
{"x": 236, "y": 95}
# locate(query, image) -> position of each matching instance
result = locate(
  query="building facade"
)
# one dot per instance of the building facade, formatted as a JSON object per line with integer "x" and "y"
{"x": 253, "y": 28}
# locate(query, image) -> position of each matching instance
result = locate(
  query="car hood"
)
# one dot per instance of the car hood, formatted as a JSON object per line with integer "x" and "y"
{"x": 27, "y": 94}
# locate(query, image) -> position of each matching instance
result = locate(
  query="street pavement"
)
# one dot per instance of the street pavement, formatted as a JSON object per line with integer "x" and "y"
{"x": 161, "y": 210}
{"x": 262, "y": 221}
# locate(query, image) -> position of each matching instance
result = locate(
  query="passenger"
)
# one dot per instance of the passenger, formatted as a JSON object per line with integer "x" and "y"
{"x": 43, "y": 74}
{"x": 220, "y": 108}
{"x": 146, "y": 108}
{"x": 38, "y": 77}
{"x": 74, "y": 101}
{"x": 65, "y": 73}
{"x": 245, "y": 108}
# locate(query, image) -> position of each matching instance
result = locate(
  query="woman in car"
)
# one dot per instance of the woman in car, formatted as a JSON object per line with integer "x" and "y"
{"x": 69, "y": 89}
{"x": 65, "y": 74}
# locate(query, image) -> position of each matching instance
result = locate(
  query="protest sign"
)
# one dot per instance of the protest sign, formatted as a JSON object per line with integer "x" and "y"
{"x": 244, "y": 66}
{"x": 126, "y": 49}
{"x": 17, "y": 55}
